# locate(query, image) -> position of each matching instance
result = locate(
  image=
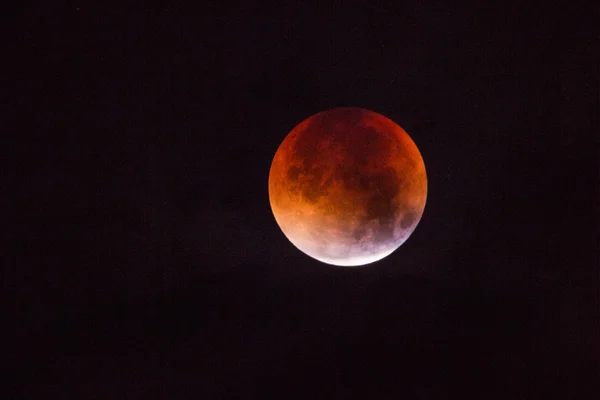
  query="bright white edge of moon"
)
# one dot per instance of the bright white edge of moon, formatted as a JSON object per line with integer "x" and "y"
{"x": 349, "y": 254}
{"x": 357, "y": 260}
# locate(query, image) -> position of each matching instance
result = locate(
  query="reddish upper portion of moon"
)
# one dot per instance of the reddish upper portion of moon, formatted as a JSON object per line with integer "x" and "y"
{"x": 347, "y": 186}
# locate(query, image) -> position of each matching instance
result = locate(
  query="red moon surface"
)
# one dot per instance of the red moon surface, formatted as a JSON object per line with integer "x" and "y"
{"x": 347, "y": 186}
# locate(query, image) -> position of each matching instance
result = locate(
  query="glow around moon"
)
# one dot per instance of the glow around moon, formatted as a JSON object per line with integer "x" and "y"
{"x": 347, "y": 186}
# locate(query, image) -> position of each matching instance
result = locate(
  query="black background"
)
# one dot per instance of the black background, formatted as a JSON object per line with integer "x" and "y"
{"x": 143, "y": 261}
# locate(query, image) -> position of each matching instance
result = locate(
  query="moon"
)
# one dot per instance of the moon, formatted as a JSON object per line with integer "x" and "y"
{"x": 347, "y": 186}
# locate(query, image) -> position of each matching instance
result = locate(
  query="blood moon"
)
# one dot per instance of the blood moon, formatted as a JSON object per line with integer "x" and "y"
{"x": 347, "y": 186}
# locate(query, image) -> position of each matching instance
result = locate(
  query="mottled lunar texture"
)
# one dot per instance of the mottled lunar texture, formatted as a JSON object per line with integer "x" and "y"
{"x": 347, "y": 186}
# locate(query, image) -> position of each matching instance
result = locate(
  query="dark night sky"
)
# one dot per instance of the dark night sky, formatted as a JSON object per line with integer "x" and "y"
{"x": 143, "y": 261}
